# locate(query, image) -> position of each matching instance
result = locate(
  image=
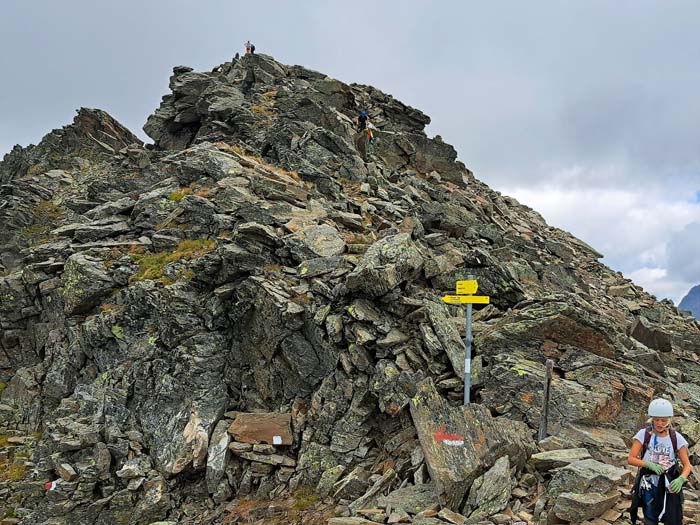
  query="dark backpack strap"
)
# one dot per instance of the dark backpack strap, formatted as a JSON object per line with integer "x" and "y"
{"x": 647, "y": 439}
{"x": 674, "y": 439}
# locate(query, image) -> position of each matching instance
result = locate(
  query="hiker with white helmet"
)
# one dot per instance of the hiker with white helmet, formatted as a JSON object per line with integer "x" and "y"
{"x": 659, "y": 482}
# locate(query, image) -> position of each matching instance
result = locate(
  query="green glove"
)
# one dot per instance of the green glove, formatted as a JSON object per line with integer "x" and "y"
{"x": 677, "y": 484}
{"x": 654, "y": 467}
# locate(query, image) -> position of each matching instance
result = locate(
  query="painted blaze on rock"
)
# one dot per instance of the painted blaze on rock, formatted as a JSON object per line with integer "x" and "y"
{"x": 461, "y": 443}
{"x": 270, "y": 428}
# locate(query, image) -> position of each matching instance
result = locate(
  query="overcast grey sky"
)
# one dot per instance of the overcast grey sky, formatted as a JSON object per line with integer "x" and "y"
{"x": 587, "y": 111}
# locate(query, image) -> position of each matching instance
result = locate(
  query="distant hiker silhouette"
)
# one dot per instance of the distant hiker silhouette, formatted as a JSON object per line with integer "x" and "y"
{"x": 361, "y": 121}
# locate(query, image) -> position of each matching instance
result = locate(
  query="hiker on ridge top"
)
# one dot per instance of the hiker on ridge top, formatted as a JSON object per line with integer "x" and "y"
{"x": 659, "y": 482}
{"x": 249, "y": 48}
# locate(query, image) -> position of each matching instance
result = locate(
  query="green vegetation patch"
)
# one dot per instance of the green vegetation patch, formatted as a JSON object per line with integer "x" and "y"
{"x": 152, "y": 265}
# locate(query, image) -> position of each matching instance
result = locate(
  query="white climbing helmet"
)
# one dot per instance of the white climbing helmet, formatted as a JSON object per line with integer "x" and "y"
{"x": 660, "y": 408}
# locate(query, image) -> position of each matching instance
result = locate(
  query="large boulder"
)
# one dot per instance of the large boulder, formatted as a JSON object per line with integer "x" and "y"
{"x": 84, "y": 283}
{"x": 386, "y": 264}
{"x": 514, "y": 384}
{"x": 462, "y": 443}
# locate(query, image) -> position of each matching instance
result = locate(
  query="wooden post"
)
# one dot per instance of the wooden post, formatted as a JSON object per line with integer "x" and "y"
{"x": 544, "y": 414}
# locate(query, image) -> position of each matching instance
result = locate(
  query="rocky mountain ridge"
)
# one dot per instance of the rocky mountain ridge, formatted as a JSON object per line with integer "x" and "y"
{"x": 248, "y": 311}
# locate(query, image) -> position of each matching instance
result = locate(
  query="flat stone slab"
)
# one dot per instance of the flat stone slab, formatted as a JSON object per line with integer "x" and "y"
{"x": 271, "y": 459}
{"x": 413, "y": 498}
{"x": 271, "y": 428}
{"x": 544, "y": 461}
{"x": 353, "y": 520}
{"x": 585, "y": 476}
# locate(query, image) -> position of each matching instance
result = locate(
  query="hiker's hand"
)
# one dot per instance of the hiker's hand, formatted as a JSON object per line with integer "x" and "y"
{"x": 654, "y": 467}
{"x": 677, "y": 484}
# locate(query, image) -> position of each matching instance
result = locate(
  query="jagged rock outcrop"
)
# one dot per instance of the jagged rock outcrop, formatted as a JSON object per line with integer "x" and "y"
{"x": 261, "y": 272}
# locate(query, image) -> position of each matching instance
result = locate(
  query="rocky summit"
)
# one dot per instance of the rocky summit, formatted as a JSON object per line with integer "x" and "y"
{"x": 242, "y": 323}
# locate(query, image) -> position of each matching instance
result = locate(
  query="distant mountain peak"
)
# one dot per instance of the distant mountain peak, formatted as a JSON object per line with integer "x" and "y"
{"x": 691, "y": 302}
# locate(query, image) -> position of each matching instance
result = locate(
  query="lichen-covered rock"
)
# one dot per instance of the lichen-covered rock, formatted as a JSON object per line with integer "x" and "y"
{"x": 462, "y": 443}
{"x": 84, "y": 283}
{"x": 490, "y": 492}
{"x": 586, "y": 475}
{"x": 576, "y": 508}
{"x": 385, "y": 265}
{"x": 544, "y": 461}
{"x": 412, "y": 499}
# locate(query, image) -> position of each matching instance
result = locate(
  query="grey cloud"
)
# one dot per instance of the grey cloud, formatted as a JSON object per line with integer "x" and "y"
{"x": 684, "y": 254}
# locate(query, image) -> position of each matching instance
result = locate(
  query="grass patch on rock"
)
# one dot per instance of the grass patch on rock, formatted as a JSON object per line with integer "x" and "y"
{"x": 153, "y": 265}
{"x": 12, "y": 471}
{"x": 178, "y": 195}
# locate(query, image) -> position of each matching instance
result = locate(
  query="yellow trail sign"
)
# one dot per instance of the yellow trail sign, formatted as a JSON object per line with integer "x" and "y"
{"x": 466, "y": 299}
{"x": 467, "y": 287}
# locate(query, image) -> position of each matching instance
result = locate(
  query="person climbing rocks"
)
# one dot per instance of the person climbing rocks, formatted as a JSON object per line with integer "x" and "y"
{"x": 249, "y": 48}
{"x": 660, "y": 479}
{"x": 361, "y": 121}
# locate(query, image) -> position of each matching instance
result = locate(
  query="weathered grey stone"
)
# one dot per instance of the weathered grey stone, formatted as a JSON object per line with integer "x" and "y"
{"x": 461, "y": 443}
{"x": 544, "y": 461}
{"x": 452, "y": 517}
{"x": 447, "y": 334}
{"x": 217, "y": 455}
{"x": 369, "y": 497}
{"x": 350, "y": 520}
{"x": 353, "y": 485}
{"x": 581, "y": 507}
{"x": 270, "y": 459}
{"x": 650, "y": 336}
{"x": 323, "y": 240}
{"x": 328, "y": 480}
{"x": 587, "y": 475}
{"x": 133, "y": 468}
{"x": 490, "y": 493}
{"x": 412, "y": 498}
{"x": 67, "y": 472}
{"x": 399, "y": 516}
{"x": 318, "y": 266}
{"x": 84, "y": 283}
{"x": 385, "y": 265}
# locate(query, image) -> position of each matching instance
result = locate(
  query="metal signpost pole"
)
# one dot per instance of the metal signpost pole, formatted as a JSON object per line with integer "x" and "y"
{"x": 468, "y": 355}
{"x": 465, "y": 295}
